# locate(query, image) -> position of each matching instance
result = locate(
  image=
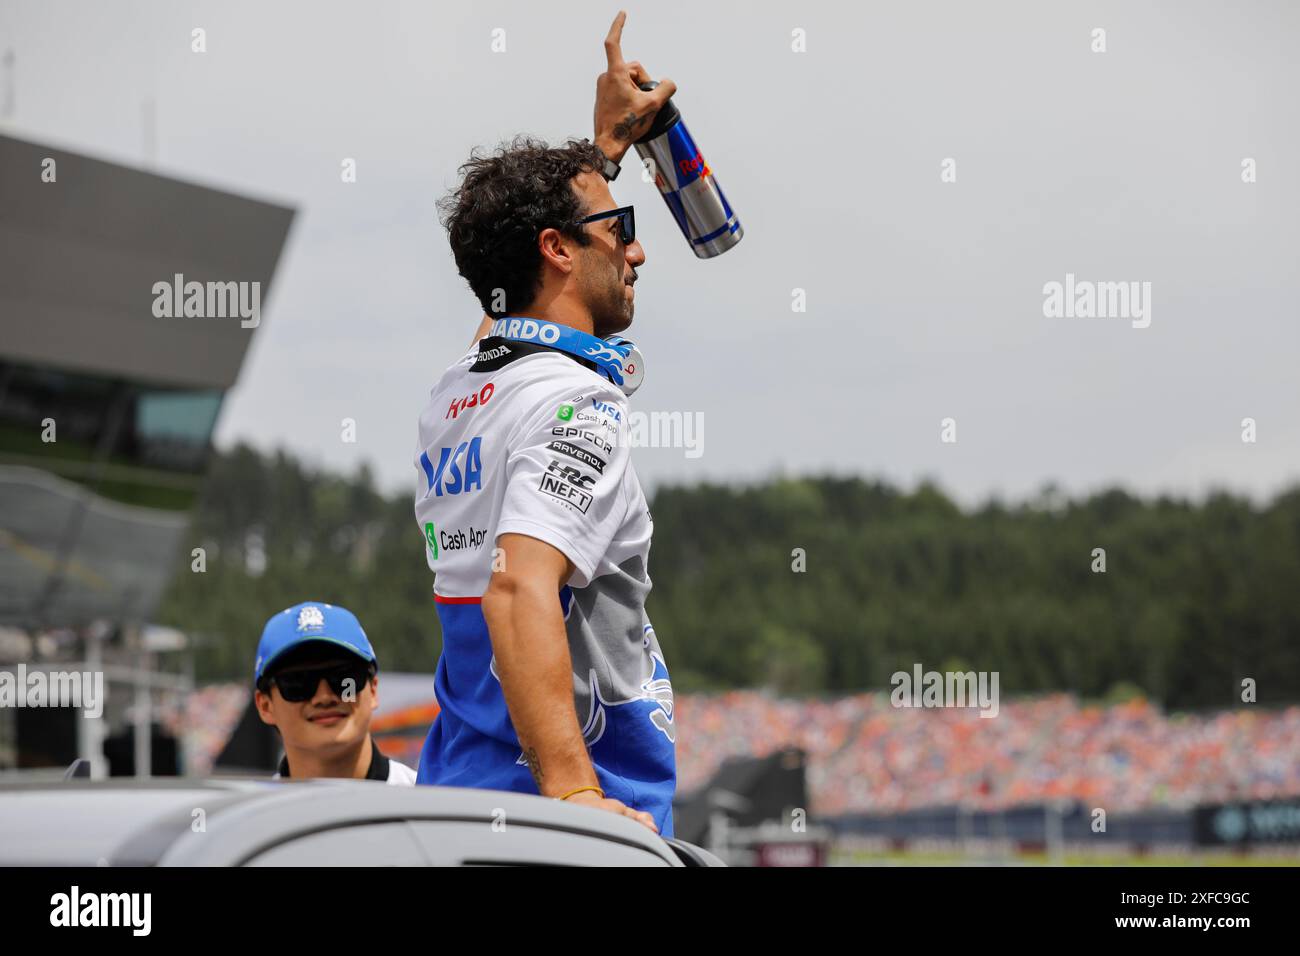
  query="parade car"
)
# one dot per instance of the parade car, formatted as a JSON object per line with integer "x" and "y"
{"x": 244, "y": 822}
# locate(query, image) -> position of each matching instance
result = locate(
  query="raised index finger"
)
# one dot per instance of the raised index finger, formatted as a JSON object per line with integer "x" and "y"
{"x": 613, "y": 48}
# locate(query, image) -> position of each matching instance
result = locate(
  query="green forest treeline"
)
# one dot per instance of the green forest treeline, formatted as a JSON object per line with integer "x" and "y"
{"x": 1195, "y": 598}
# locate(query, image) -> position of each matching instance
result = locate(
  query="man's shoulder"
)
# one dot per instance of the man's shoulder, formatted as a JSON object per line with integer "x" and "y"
{"x": 543, "y": 380}
{"x": 538, "y": 387}
{"x": 497, "y": 359}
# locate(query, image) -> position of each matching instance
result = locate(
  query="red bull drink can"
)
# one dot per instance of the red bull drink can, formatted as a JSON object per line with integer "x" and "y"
{"x": 687, "y": 183}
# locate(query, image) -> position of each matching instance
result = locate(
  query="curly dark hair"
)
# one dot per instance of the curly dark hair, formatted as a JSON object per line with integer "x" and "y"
{"x": 503, "y": 202}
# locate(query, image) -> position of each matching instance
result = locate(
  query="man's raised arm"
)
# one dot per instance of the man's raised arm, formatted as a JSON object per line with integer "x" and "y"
{"x": 623, "y": 110}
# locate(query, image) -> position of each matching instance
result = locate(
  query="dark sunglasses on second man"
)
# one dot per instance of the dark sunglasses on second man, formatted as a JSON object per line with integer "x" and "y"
{"x": 299, "y": 685}
{"x": 627, "y": 222}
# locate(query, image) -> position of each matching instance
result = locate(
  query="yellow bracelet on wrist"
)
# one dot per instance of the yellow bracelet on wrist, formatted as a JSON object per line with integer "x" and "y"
{"x": 579, "y": 790}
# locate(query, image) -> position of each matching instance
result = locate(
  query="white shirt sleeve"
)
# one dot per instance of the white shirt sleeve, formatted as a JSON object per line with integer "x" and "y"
{"x": 565, "y": 477}
{"x": 399, "y": 774}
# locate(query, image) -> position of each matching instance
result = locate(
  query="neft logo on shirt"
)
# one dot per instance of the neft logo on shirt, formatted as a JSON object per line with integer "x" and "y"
{"x": 557, "y": 487}
{"x": 567, "y": 484}
{"x": 448, "y": 477}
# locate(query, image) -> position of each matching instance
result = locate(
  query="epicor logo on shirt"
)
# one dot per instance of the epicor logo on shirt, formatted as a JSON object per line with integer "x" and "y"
{"x": 584, "y": 434}
{"x": 448, "y": 478}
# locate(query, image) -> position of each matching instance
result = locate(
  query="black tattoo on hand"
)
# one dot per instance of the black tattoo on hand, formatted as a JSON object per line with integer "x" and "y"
{"x": 534, "y": 764}
{"x": 623, "y": 129}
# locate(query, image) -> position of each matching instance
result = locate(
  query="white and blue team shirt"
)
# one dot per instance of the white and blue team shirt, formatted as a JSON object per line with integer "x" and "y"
{"x": 520, "y": 438}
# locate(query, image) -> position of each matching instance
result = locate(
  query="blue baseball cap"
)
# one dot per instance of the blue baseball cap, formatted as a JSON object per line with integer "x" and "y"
{"x": 307, "y": 622}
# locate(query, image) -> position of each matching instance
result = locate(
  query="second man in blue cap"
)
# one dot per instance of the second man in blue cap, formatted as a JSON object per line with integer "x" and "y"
{"x": 318, "y": 685}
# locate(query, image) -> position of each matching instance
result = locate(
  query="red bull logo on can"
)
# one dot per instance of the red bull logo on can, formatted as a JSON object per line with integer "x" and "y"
{"x": 694, "y": 164}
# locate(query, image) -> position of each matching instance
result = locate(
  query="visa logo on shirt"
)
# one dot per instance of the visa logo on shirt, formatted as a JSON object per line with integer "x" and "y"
{"x": 448, "y": 477}
{"x": 605, "y": 408}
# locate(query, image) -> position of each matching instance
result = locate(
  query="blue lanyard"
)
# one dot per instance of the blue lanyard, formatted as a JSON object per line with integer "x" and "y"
{"x": 608, "y": 355}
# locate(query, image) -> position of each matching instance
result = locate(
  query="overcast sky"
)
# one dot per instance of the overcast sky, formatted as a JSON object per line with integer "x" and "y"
{"x": 924, "y": 298}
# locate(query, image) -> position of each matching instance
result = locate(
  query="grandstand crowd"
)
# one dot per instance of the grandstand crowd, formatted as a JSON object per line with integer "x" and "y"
{"x": 865, "y": 755}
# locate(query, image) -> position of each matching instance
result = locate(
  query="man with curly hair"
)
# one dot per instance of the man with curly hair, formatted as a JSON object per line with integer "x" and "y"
{"x": 551, "y": 679}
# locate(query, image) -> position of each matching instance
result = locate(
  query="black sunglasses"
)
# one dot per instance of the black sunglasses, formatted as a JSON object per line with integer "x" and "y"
{"x": 627, "y": 222}
{"x": 297, "y": 686}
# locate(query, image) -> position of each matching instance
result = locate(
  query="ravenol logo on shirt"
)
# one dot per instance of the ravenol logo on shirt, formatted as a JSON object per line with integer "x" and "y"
{"x": 448, "y": 478}
{"x": 564, "y": 413}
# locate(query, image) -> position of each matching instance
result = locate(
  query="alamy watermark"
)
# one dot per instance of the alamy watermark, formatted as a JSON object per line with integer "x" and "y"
{"x": 667, "y": 430}
{"x": 40, "y": 688}
{"x": 74, "y": 908}
{"x": 608, "y": 426}
{"x": 1084, "y": 299}
{"x": 208, "y": 300}
{"x": 946, "y": 689}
